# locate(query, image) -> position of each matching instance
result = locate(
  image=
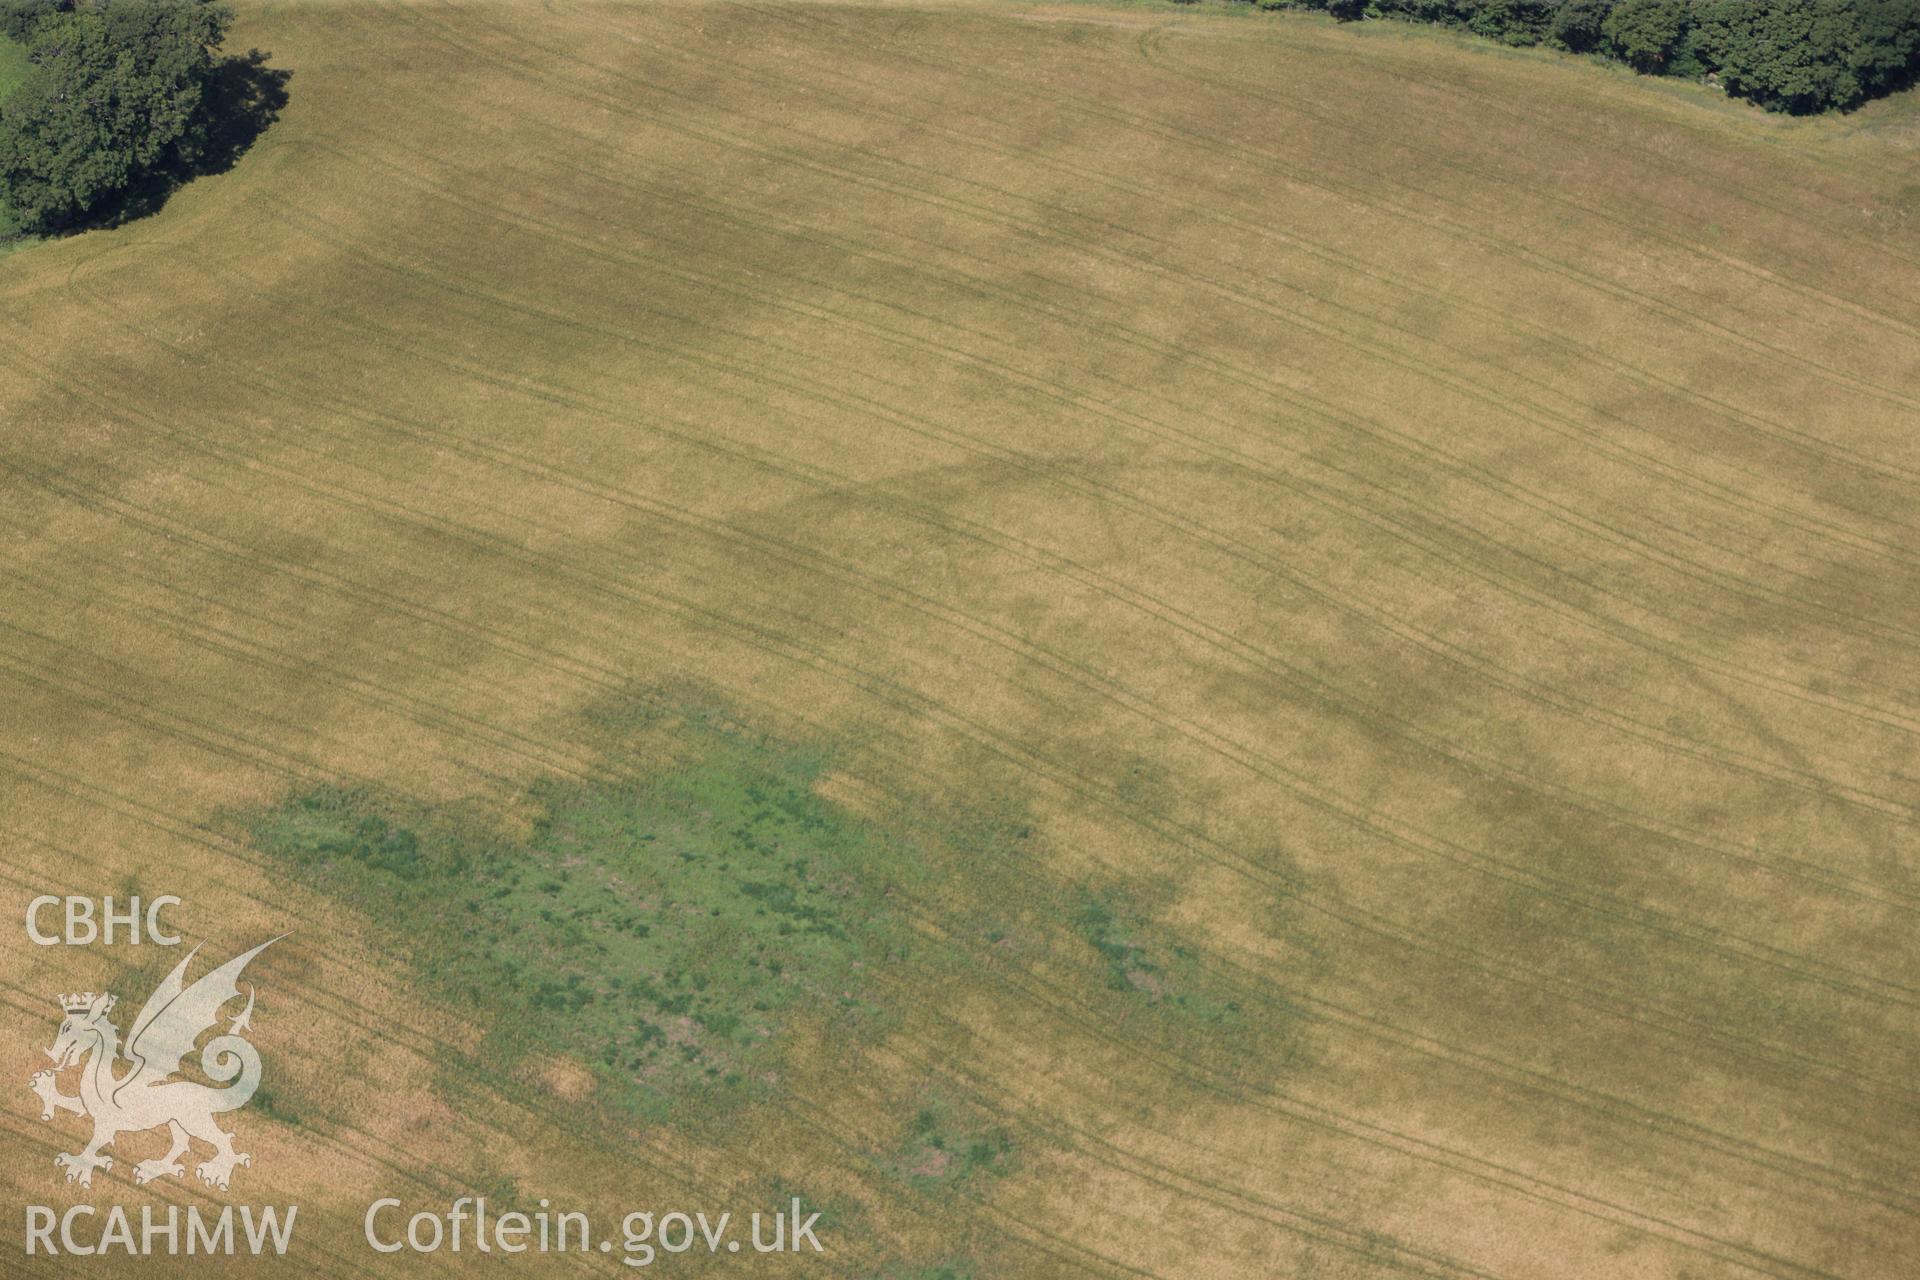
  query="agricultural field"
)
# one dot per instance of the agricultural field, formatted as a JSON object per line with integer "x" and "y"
{"x": 1110, "y": 640}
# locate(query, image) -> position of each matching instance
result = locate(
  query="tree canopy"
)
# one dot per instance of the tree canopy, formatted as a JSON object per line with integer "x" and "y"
{"x": 1787, "y": 55}
{"x": 1645, "y": 33}
{"x": 115, "y": 95}
{"x": 1805, "y": 55}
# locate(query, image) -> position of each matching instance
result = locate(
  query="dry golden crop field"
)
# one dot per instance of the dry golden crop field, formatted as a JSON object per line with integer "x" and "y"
{"x": 1101, "y": 640}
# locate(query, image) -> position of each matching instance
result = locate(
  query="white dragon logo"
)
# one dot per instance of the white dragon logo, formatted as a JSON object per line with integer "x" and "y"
{"x": 143, "y": 1096}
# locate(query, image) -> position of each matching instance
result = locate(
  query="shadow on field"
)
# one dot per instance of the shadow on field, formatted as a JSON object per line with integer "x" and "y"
{"x": 243, "y": 99}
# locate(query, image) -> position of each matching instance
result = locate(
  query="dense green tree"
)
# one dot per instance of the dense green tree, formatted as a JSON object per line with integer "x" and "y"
{"x": 1787, "y": 55}
{"x": 1886, "y": 54}
{"x": 1808, "y": 55}
{"x": 114, "y": 96}
{"x": 1890, "y": 45}
{"x": 1644, "y": 33}
{"x": 1580, "y": 25}
{"x": 19, "y": 17}
{"x": 1515, "y": 22}
{"x": 1438, "y": 11}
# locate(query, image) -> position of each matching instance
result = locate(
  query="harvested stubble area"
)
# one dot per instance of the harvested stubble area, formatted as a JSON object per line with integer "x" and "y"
{"x": 1111, "y": 641}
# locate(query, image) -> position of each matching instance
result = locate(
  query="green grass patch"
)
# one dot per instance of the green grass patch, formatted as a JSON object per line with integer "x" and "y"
{"x": 1150, "y": 968}
{"x": 949, "y": 1143}
{"x": 662, "y": 929}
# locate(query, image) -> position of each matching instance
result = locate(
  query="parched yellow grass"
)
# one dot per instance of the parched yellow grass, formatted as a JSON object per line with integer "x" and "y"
{"x": 1437, "y": 524}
